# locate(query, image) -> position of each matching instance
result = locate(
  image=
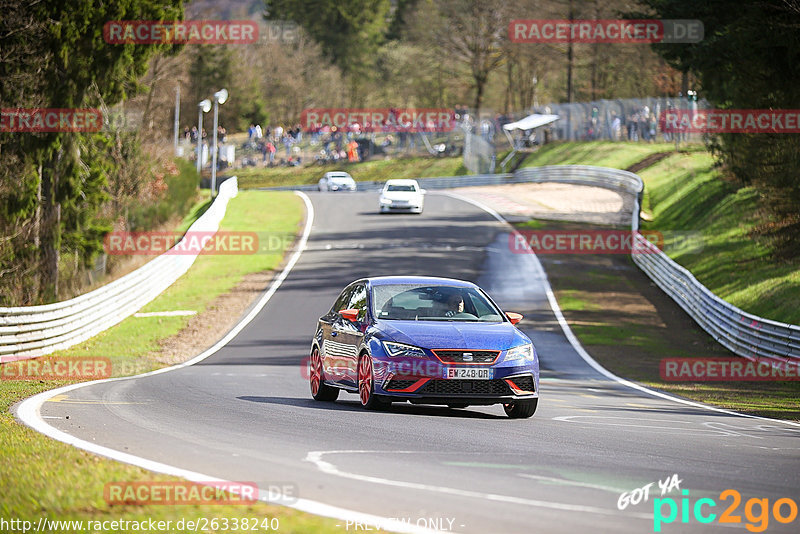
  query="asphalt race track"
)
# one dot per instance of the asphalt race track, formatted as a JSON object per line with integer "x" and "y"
{"x": 246, "y": 413}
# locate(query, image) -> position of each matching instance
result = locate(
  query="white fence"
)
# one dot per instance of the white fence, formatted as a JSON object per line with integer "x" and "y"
{"x": 32, "y": 331}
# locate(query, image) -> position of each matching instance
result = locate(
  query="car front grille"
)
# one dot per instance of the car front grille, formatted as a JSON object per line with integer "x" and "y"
{"x": 467, "y": 356}
{"x": 465, "y": 387}
{"x": 399, "y": 384}
{"x": 524, "y": 383}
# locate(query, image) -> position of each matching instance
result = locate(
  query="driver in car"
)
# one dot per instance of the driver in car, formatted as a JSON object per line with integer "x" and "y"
{"x": 455, "y": 305}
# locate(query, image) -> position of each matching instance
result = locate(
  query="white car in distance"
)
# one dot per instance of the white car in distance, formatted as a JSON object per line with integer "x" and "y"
{"x": 401, "y": 195}
{"x": 337, "y": 181}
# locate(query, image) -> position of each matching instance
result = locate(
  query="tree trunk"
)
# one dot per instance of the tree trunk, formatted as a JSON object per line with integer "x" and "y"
{"x": 684, "y": 84}
{"x": 49, "y": 234}
{"x": 480, "y": 82}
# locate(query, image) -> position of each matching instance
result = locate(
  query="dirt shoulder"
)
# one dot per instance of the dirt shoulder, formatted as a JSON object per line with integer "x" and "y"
{"x": 552, "y": 201}
{"x": 208, "y": 327}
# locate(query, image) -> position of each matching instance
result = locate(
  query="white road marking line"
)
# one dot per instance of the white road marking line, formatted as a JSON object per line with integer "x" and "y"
{"x": 315, "y": 457}
{"x": 573, "y": 340}
{"x": 29, "y": 412}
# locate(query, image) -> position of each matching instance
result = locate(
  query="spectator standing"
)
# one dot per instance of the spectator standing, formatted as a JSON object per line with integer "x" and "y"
{"x": 288, "y": 141}
{"x": 616, "y": 128}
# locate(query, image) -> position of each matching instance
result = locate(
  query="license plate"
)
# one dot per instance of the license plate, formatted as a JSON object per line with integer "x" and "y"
{"x": 470, "y": 373}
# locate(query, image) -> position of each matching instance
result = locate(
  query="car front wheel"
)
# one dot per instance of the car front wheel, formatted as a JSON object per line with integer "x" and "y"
{"x": 366, "y": 385}
{"x": 521, "y": 409}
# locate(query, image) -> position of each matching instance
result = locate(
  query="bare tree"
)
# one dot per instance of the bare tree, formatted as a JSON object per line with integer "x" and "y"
{"x": 471, "y": 32}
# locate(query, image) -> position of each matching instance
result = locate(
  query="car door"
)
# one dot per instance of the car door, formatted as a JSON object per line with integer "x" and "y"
{"x": 351, "y": 333}
{"x": 334, "y": 362}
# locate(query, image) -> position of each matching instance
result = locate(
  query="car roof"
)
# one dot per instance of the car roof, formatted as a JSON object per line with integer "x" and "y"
{"x": 337, "y": 174}
{"x": 401, "y": 181}
{"x": 432, "y": 280}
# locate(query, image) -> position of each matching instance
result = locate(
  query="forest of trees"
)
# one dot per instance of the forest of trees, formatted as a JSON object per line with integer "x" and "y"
{"x": 61, "y": 192}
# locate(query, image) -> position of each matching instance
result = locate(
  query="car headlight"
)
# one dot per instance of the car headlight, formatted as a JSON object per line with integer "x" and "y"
{"x": 397, "y": 350}
{"x": 385, "y": 201}
{"x": 523, "y": 352}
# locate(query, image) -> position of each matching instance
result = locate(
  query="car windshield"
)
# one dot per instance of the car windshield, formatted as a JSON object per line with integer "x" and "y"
{"x": 410, "y": 188}
{"x": 417, "y": 302}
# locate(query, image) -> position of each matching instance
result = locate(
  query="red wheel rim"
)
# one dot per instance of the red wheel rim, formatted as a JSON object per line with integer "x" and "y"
{"x": 365, "y": 379}
{"x": 316, "y": 371}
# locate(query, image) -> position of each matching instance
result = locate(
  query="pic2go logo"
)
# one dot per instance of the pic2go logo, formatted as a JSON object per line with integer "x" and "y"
{"x": 758, "y": 519}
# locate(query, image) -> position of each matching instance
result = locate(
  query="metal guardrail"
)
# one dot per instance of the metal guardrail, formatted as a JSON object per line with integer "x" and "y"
{"x": 32, "y": 331}
{"x": 744, "y": 334}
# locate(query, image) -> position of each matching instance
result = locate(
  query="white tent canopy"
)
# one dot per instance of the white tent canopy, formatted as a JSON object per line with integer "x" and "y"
{"x": 530, "y": 122}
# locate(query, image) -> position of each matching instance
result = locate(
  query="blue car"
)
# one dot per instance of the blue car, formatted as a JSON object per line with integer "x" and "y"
{"x": 424, "y": 340}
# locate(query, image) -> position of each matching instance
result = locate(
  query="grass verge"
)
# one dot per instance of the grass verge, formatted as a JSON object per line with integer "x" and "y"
{"x": 620, "y": 155}
{"x": 40, "y": 477}
{"x": 378, "y": 170}
{"x": 685, "y": 192}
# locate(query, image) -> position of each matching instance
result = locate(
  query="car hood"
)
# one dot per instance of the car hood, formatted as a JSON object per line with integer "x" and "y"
{"x": 453, "y": 334}
{"x": 400, "y": 195}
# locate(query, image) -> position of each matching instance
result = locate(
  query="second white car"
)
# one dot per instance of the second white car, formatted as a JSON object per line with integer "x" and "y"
{"x": 401, "y": 195}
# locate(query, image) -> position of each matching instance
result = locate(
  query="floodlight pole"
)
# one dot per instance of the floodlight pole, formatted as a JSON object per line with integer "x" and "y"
{"x": 219, "y": 98}
{"x": 202, "y": 107}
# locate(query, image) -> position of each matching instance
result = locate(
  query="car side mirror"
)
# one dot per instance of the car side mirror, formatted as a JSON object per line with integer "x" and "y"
{"x": 514, "y": 317}
{"x": 351, "y": 315}
{"x": 423, "y": 191}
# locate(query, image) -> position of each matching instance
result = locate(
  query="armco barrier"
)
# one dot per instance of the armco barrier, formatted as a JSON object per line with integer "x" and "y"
{"x": 742, "y": 333}
{"x": 32, "y": 331}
